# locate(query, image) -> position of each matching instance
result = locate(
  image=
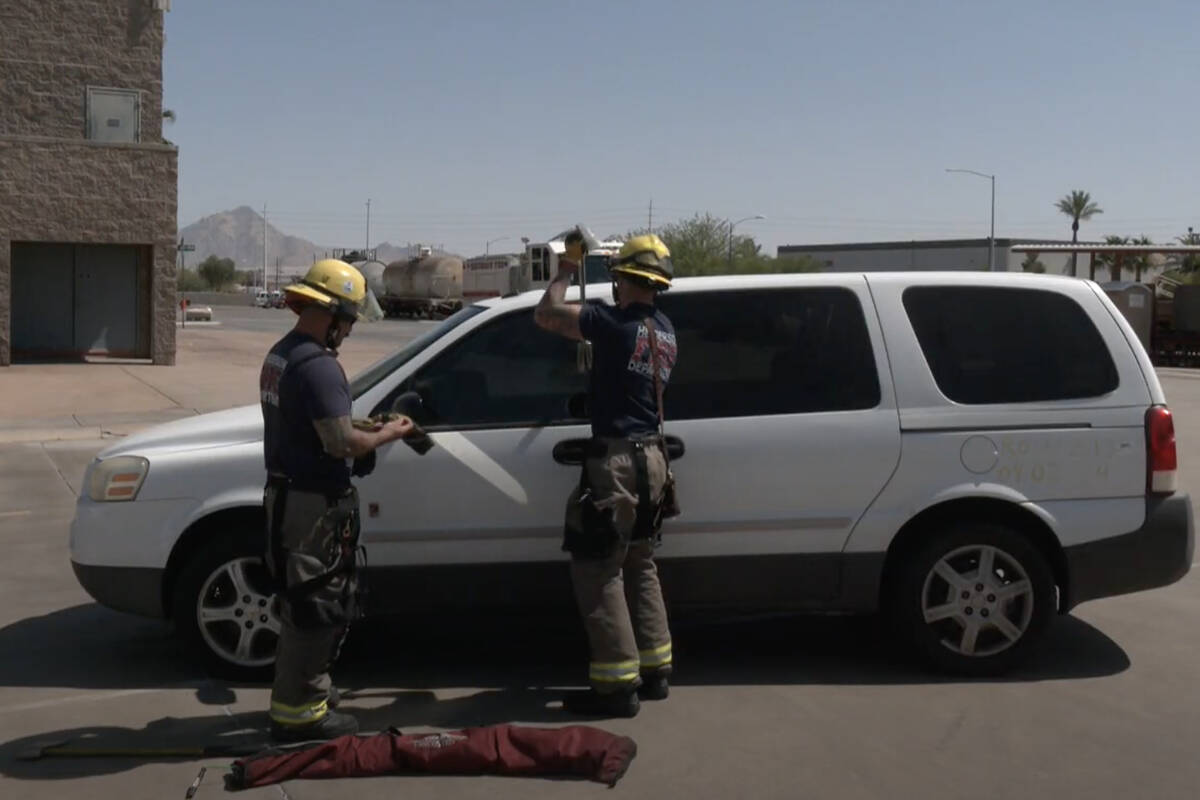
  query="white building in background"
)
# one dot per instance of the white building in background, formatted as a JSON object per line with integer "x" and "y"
{"x": 931, "y": 255}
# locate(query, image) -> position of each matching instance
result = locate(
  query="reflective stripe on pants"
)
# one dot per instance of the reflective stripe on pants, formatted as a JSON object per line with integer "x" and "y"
{"x": 613, "y": 672}
{"x": 298, "y": 715}
{"x": 655, "y": 658}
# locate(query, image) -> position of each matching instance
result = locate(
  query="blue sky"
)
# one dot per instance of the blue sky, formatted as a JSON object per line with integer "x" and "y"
{"x": 466, "y": 121}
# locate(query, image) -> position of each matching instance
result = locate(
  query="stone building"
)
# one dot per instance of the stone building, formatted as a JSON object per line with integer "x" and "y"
{"x": 87, "y": 183}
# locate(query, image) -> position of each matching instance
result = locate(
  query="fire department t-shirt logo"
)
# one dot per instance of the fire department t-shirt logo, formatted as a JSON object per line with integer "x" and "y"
{"x": 640, "y": 362}
{"x": 268, "y": 380}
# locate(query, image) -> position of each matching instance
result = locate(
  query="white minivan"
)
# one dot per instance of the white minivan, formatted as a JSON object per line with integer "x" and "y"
{"x": 969, "y": 453}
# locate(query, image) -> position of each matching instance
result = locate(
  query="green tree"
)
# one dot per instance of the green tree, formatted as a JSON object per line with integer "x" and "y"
{"x": 700, "y": 246}
{"x": 1106, "y": 260}
{"x": 217, "y": 272}
{"x": 1139, "y": 263}
{"x": 1033, "y": 264}
{"x": 189, "y": 281}
{"x": 1078, "y": 206}
{"x": 1189, "y": 263}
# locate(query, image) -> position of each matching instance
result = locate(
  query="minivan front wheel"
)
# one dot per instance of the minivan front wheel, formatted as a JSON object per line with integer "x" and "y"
{"x": 975, "y": 599}
{"x": 224, "y": 609}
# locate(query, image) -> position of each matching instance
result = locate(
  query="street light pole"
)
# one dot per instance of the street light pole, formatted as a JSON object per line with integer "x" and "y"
{"x": 487, "y": 245}
{"x": 992, "y": 235}
{"x": 732, "y": 225}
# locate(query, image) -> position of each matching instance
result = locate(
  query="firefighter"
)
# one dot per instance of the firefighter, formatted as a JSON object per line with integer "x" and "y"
{"x": 311, "y": 506}
{"x": 614, "y": 515}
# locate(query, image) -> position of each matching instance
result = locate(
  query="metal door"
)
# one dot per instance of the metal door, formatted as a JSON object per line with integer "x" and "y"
{"x": 106, "y": 307}
{"x": 42, "y": 298}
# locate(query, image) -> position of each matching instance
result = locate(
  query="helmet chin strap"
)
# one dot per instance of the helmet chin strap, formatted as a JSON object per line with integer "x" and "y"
{"x": 331, "y": 331}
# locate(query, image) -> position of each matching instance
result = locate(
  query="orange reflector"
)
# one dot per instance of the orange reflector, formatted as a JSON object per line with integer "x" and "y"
{"x": 126, "y": 477}
{"x": 120, "y": 491}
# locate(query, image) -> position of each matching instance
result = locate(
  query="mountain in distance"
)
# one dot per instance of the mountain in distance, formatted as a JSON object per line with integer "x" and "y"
{"x": 237, "y": 234}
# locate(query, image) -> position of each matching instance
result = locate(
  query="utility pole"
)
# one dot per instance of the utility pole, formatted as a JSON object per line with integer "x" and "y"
{"x": 264, "y": 269}
{"x": 650, "y": 217}
{"x": 368, "y": 247}
{"x": 992, "y": 233}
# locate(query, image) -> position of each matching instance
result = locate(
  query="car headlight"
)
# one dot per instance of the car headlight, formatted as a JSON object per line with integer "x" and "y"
{"x": 117, "y": 479}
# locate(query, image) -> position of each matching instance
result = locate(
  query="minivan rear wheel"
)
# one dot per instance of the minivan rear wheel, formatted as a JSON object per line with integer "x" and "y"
{"x": 975, "y": 599}
{"x": 224, "y": 609}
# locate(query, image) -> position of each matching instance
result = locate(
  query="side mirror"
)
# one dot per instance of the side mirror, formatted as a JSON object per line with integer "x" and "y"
{"x": 411, "y": 405}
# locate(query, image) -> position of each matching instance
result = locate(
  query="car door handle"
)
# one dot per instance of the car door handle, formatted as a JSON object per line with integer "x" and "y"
{"x": 675, "y": 447}
{"x": 572, "y": 452}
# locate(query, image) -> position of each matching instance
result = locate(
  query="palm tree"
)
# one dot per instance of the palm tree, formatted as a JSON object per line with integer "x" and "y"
{"x": 1142, "y": 261}
{"x": 1078, "y": 206}
{"x": 1189, "y": 263}
{"x": 1109, "y": 261}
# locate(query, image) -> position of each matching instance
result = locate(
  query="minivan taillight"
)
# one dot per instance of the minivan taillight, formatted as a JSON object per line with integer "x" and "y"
{"x": 1161, "y": 462}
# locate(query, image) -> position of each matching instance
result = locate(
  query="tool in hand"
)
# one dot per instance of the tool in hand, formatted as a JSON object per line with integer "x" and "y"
{"x": 418, "y": 440}
{"x": 578, "y": 242}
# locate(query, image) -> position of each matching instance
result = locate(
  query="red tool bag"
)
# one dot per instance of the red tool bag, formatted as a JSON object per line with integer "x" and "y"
{"x": 577, "y": 750}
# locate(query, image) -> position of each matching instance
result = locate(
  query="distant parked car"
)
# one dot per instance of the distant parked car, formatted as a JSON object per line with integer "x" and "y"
{"x": 262, "y": 299}
{"x": 277, "y": 300}
{"x": 198, "y": 314}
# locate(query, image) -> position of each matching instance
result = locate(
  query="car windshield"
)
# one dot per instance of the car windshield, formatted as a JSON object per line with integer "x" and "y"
{"x": 372, "y": 375}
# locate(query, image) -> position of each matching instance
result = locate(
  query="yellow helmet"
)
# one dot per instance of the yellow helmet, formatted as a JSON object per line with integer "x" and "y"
{"x": 337, "y": 287}
{"x": 645, "y": 257}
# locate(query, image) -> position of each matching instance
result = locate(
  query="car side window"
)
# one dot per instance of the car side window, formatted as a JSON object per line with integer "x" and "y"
{"x": 762, "y": 352}
{"x": 1008, "y": 345}
{"x": 508, "y": 373}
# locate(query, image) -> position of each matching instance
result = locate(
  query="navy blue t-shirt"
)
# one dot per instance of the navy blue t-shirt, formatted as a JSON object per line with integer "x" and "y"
{"x": 623, "y": 401}
{"x": 295, "y": 389}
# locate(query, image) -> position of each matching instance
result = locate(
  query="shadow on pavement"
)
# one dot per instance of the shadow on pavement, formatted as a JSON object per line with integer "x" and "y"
{"x": 518, "y": 662}
{"x": 91, "y": 647}
{"x": 407, "y": 710}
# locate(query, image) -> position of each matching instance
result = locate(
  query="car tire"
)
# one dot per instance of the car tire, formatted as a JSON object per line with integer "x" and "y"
{"x": 961, "y": 615}
{"x": 224, "y": 609}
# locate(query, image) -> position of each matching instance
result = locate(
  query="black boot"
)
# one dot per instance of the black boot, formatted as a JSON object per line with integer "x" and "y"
{"x": 654, "y": 687}
{"x": 330, "y": 726}
{"x": 591, "y": 703}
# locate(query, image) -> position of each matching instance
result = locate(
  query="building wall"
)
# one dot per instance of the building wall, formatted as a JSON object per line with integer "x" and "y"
{"x": 51, "y": 50}
{"x": 926, "y": 256}
{"x": 55, "y": 184}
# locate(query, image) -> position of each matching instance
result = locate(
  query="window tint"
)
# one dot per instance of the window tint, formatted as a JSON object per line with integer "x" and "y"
{"x": 779, "y": 351}
{"x": 989, "y": 345}
{"x": 509, "y": 372}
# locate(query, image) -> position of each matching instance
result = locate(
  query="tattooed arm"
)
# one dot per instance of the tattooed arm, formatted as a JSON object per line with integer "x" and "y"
{"x": 342, "y": 440}
{"x": 553, "y": 312}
